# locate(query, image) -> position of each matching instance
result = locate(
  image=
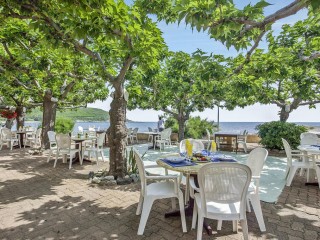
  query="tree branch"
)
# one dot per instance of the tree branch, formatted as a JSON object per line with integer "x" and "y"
{"x": 65, "y": 37}
{"x": 249, "y": 53}
{"x": 309, "y": 102}
{"x": 67, "y": 90}
{"x": 5, "y": 45}
{"x": 284, "y": 12}
{"x": 313, "y": 56}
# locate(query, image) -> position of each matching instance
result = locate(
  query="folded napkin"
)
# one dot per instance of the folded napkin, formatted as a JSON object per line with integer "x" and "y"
{"x": 184, "y": 163}
{"x": 218, "y": 157}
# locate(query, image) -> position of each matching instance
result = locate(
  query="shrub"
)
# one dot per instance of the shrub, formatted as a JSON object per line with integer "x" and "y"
{"x": 195, "y": 126}
{"x": 272, "y": 132}
{"x": 64, "y": 125}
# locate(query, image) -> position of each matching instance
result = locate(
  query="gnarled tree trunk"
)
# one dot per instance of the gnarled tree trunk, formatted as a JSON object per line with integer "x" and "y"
{"x": 117, "y": 133}
{"x": 20, "y": 110}
{"x": 49, "y": 117}
{"x": 283, "y": 115}
{"x": 181, "y": 123}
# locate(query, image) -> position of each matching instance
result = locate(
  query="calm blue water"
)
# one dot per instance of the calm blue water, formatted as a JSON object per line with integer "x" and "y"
{"x": 143, "y": 126}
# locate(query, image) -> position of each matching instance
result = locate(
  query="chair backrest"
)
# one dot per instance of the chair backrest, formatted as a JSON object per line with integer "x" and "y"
{"x": 51, "y": 136}
{"x": 101, "y": 139}
{"x": 197, "y": 145}
{"x": 91, "y": 129}
{"x": 243, "y": 136}
{"x": 29, "y": 128}
{"x": 142, "y": 173}
{"x": 80, "y": 129}
{"x": 166, "y": 134}
{"x": 38, "y": 133}
{"x": 208, "y": 134}
{"x": 135, "y": 131}
{"x": 224, "y": 183}
{"x": 287, "y": 148}
{"x": 63, "y": 141}
{"x": 256, "y": 160}
{"x": 6, "y": 134}
{"x": 308, "y": 139}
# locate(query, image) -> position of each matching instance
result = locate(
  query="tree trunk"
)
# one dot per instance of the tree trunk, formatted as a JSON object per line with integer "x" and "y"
{"x": 9, "y": 123}
{"x": 181, "y": 123}
{"x": 283, "y": 115}
{"x": 20, "y": 110}
{"x": 117, "y": 133}
{"x": 49, "y": 117}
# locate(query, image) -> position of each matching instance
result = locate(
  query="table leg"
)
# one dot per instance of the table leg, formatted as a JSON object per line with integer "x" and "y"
{"x": 189, "y": 211}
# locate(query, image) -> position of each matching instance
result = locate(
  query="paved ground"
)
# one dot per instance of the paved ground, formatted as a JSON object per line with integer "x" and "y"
{"x": 40, "y": 202}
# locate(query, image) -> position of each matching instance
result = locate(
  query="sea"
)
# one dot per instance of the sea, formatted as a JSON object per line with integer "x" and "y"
{"x": 232, "y": 127}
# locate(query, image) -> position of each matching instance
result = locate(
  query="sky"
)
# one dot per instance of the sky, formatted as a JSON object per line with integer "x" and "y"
{"x": 182, "y": 38}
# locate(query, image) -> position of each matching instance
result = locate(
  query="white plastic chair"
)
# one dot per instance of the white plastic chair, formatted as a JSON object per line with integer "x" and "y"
{"x": 9, "y": 139}
{"x": 97, "y": 149}
{"x": 197, "y": 145}
{"x": 209, "y": 140}
{"x": 64, "y": 148}
{"x": 242, "y": 139}
{"x": 129, "y": 136}
{"x": 159, "y": 190}
{"x": 164, "y": 138}
{"x": 34, "y": 140}
{"x": 308, "y": 138}
{"x": 255, "y": 162}
{"x": 134, "y": 134}
{"x": 221, "y": 195}
{"x": 52, "y": 143}
{"x": 150, "y": 137}
{"x": 292, "y": 166}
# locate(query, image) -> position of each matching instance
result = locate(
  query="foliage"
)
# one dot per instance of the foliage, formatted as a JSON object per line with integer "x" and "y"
{"x": 183, "y": 84}
{"x": 82, "y": 114}
{"x": 281, "y": 75}
{"x": 132, "y": 167}
{"x": 64, "y": 125}
{"x": 8, "y": 114}
{"x": 172, "y": 123}
{"x": 272, "y": 132}
{"x": 195, "y": 126}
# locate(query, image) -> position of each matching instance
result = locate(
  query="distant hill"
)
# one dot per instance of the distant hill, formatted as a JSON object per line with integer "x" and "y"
{"x": 81, "y": 114}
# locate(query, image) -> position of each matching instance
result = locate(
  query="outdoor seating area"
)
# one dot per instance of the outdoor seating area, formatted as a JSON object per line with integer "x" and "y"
{"x": 60, "y": 203}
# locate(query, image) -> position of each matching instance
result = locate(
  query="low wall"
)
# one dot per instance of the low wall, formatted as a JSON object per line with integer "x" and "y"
{"x": 251, "y": 138}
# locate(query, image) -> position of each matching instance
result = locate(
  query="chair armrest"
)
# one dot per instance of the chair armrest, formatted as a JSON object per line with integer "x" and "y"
{"x": 174, "y": 177}
{"x": 152, "y": 166}
{"x": 193, "y": 187}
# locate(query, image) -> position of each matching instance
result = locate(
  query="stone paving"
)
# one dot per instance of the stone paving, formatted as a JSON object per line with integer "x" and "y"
{"x": 38, "y": 201}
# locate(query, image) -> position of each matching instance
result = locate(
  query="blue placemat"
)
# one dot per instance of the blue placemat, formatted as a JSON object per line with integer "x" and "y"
{"x": 185, "y": 163}
{"x": 315, "y": 146}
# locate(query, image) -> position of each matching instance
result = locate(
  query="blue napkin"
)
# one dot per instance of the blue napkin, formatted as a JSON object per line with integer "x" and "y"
{"x": 179, "y": 164}
{"x": 218, "y": 157}
{"x": 315, "y": 145}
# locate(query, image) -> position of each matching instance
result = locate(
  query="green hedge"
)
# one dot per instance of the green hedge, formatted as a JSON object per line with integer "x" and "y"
{"x": 272, "y": 132}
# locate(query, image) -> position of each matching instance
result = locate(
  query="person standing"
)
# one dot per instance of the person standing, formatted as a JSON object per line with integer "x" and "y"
{"x": 160, "y": 124}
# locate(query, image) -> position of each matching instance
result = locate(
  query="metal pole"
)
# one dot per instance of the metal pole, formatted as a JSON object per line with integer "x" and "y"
{"x": 218, "y": 118}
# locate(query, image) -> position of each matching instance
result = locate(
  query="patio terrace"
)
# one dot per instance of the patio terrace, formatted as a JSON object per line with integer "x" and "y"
{"x": 40, "y": 202}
